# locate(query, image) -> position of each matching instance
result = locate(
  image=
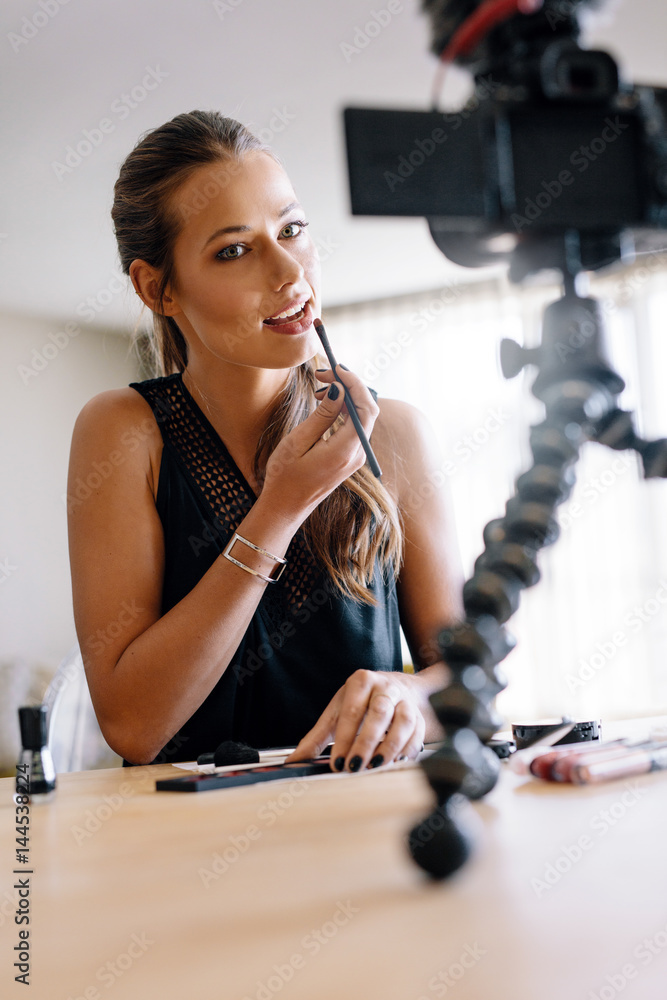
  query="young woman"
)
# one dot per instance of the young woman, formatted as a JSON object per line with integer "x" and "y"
{"x": 238, "y": 572}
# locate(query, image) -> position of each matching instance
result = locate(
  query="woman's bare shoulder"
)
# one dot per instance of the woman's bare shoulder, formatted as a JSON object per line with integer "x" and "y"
{"x": 405, "y": 442}
{"x": 118, "y": 426}
{"x": 401, "y": 417}
{"x": 114, "y": 404}
{"x": 115, "y": 412}
{"x": 404, "y": 425}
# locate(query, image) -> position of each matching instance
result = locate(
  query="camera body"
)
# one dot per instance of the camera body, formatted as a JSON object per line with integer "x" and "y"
{"x": 550, "y": 143}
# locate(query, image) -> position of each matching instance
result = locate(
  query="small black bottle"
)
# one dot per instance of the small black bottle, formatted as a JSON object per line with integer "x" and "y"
{"x": 35, "y": 763}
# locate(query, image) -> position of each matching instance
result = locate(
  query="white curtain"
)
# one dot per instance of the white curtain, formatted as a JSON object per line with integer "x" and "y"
{"x": 592, "y": 635}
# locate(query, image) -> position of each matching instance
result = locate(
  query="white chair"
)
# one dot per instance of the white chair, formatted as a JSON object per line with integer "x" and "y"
{"x": 75, "y": 738}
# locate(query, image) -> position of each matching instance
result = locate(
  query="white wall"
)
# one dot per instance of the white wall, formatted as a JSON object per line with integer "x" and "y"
{"x": 58, "y": 226}
{"x": 46, "y": 377}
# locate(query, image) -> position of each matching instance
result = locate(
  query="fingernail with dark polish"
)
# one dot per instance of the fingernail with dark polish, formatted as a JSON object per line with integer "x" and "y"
{"x": 333, "y": 392}
{"x": 317, "y": 370}
{"x": 377, "y": 760}
{"x": 355, "y": 763}
{"x": 344, "y": 367}
{"x": 339, "y": 763}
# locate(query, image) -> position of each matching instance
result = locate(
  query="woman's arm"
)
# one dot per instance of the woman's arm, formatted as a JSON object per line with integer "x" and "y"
{"x": 372, "y": 703}
{"x": 148, "y": 674}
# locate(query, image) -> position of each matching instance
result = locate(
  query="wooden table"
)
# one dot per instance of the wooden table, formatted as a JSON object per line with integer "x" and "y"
{"x": 305, "y": 891}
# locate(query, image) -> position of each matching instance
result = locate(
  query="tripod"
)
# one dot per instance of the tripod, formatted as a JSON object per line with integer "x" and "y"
{"x": 579, "y": 391}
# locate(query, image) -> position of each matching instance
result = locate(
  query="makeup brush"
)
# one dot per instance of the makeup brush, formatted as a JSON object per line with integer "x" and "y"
{"x": 230, "y": 752}
{"x": 351, "y": 408}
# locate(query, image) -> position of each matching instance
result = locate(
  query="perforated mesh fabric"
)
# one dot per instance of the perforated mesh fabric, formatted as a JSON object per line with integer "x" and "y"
{"x": 213, "y": 472}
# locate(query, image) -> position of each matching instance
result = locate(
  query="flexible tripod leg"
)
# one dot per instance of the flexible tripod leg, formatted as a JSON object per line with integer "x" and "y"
{"x": 578, "y": 389}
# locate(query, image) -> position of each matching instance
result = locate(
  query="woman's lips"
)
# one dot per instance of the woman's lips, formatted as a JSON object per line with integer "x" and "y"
{"x": 299, "y": 324}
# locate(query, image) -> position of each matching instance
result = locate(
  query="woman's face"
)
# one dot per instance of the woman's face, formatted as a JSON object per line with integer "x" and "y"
{"x": 243, "y": 257}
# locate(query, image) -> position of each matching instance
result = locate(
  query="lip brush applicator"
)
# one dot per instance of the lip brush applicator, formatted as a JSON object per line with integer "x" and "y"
{"x": 351, "y": 408}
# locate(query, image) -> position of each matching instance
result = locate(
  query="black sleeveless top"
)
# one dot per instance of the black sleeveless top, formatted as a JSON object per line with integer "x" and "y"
{"x": 304, "y": 639}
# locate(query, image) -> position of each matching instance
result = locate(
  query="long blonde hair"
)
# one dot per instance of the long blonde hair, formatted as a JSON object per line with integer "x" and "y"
{"x": 357, "y": 526}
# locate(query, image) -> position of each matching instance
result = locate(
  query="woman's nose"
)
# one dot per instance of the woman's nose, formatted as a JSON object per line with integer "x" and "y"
{"x": 286, "y": 268}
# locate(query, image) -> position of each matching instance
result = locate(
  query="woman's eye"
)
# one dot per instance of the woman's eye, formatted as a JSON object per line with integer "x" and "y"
{"x": 232, "y": 252}
{"x": 293, "y": 229}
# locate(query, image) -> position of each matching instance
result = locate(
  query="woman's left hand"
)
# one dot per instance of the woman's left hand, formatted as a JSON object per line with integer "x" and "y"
{"x": 376, "y": 717}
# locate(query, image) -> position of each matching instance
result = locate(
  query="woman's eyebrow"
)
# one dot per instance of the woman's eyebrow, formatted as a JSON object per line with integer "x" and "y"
{"x": 246, "y": 229}
{"x": 288, "y": 208}
{"x": 222, "y": 232}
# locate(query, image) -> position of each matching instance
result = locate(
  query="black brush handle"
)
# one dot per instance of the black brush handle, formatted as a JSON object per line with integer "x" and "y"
{"x": 351, "y": 408}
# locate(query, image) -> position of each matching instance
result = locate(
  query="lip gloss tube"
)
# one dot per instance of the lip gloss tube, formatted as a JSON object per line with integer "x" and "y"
{"x": 523, "y": 761}
{"x": 561, "y": 769}
{"x": 542, "y": 761}
{"x": 541, "y": 766}
{"x": 633, "y": 762}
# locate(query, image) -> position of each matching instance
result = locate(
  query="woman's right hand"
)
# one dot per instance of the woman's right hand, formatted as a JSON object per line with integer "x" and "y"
{"x": 304, "y": 468}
